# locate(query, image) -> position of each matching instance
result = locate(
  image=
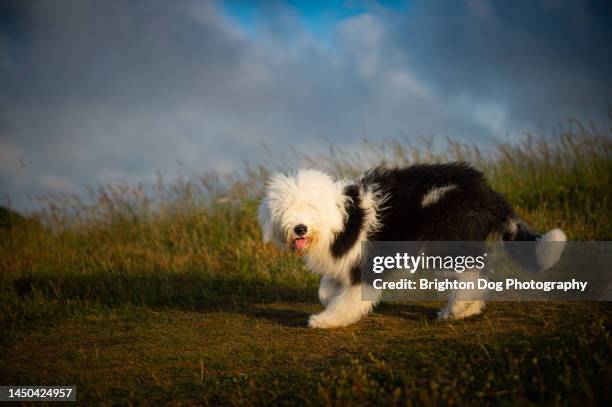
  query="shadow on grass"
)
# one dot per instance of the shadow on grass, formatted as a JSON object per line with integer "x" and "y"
{"x": 286, "y": 317}
{"x": 189, "y": 290}
{"x": 412, "y": 312}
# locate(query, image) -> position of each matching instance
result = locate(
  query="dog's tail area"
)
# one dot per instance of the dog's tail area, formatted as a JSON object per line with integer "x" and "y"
{"x": 538, "y": 256}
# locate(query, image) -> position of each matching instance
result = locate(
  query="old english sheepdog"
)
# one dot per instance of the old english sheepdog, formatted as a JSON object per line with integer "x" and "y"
{"x": 326, "y": 219}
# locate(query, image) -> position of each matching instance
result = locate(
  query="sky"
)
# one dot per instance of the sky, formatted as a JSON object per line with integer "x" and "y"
{"x": 119, "y": 91}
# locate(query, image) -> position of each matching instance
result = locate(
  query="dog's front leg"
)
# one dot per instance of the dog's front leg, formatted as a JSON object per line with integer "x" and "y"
{"x": 345, "y": 308}
{"x": 328, "y": 289}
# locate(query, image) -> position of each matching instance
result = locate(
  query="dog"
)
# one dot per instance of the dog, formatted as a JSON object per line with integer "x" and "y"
{"x": 325, "y": 220}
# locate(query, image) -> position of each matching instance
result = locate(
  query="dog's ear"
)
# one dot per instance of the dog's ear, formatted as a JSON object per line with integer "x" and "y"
{"x": 265, "y": 221}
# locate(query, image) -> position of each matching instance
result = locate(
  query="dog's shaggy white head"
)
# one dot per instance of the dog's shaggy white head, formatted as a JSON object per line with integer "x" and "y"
{"x": 302, "y": 211}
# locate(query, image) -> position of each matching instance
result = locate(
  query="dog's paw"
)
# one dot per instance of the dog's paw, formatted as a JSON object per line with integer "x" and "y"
{"x": 461, "y": 310}
{"x": 444, "y": 314}
{"x": 321, "y": 321}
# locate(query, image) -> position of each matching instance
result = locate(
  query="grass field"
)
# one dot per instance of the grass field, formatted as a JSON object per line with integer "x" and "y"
{"x": 166, "y": 295}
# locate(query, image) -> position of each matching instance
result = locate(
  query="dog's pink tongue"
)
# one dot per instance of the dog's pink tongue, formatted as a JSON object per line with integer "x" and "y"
{"x": 300, "y": 244}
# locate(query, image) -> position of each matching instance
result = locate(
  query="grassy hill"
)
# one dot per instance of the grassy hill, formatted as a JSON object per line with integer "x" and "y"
{"x": 167, "y": 295}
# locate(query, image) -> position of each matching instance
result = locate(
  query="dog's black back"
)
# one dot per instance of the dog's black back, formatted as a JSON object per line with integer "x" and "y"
{"x": 469, "y": 211}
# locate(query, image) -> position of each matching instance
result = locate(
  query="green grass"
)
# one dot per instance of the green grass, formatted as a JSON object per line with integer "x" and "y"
{"x": 167, "y": 295}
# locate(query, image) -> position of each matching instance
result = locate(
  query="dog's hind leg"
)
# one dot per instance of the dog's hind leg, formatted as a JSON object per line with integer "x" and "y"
{"x": 345, "y": 308}
{"x": 464, "y": 303}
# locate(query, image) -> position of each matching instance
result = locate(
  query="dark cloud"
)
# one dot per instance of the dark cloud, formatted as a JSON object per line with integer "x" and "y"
{"x": 542, "y": 60}
{"x": 93, "y": 91}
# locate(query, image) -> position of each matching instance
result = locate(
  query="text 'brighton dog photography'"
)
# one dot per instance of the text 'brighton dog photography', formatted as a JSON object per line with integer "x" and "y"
{"x": 227, "y": 202}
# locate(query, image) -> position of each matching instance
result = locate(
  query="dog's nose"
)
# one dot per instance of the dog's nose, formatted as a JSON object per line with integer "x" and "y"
{"x": 300, "y": 229}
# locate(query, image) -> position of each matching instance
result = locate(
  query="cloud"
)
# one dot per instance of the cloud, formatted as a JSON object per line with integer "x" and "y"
{"x": 543, "y": 61}
{"x": 95, "y": 91}
{"x": 58, "y": 184}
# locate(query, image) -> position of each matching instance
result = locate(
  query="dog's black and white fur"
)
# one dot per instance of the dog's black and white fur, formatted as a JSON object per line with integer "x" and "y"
{"x": 326, "y": 220}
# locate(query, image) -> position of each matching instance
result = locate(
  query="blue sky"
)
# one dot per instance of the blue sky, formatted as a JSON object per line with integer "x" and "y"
{"x": 98, "y": 91}
{"x": 319, "y": 18}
